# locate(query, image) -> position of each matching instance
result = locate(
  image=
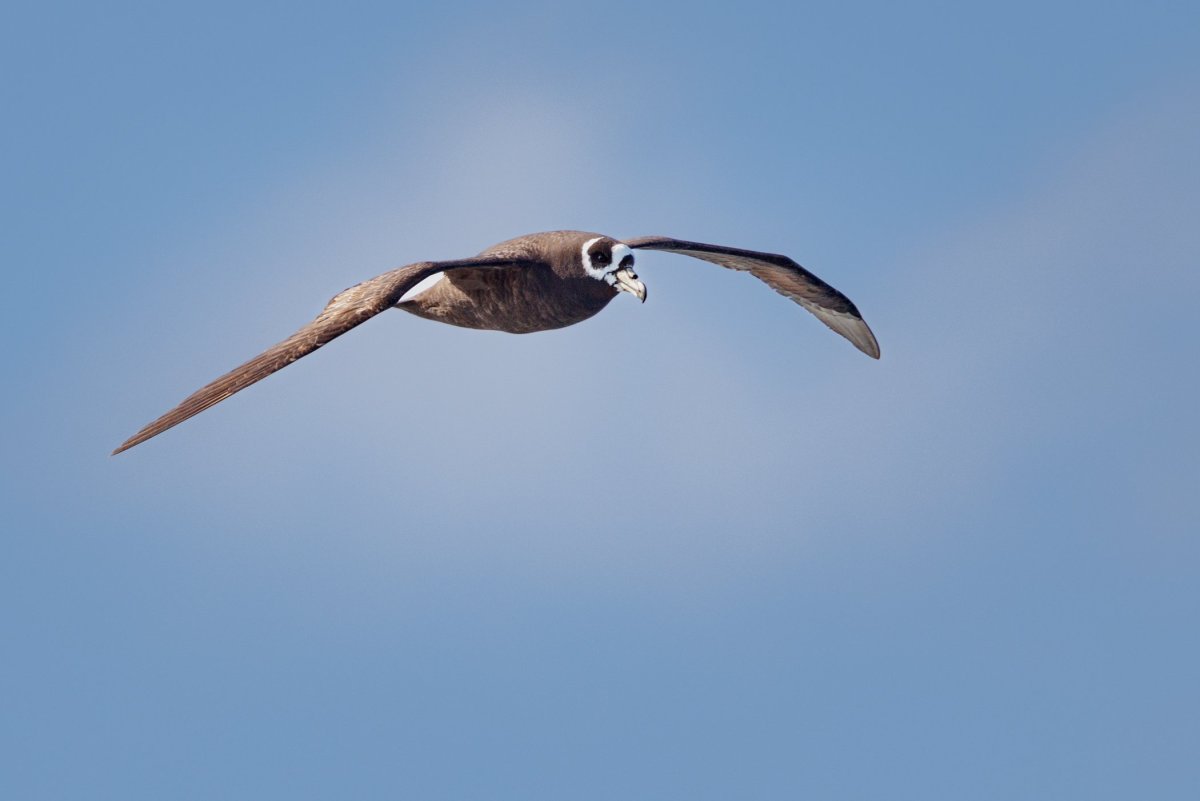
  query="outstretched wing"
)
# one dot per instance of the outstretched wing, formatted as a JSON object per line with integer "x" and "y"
{"x": 784, "y": 276}
{"x": 346, "y": 310}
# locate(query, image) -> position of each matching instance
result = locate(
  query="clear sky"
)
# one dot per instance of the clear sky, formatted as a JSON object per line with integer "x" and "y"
{"x": 700, "y": 548}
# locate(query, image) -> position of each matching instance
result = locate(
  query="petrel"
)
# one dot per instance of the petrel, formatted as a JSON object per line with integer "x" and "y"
{"x": 532, "y": 283}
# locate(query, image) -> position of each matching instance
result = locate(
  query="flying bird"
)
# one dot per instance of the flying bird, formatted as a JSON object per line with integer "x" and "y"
{"x": 532, "y": 283}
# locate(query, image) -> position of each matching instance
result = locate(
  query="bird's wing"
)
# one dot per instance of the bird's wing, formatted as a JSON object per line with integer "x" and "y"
{"x": 346, "y": 310}
{"x": 784, "y": 276}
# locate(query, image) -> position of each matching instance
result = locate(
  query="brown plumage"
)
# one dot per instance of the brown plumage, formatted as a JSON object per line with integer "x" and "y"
{"x": 784, "y": 276}
{"x": 533, "y": 283}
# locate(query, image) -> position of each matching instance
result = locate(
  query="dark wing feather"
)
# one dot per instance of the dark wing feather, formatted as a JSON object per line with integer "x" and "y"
{"x": 346, "y": 310}
{"x": 784, "y": 276}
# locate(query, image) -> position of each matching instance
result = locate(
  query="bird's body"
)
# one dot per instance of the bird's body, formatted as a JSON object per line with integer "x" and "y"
{"x": 532, "y": 283}
{"x": 549, "y": 293}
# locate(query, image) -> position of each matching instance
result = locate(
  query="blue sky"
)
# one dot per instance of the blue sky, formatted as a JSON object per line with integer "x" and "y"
{"x": 398, "y": 568}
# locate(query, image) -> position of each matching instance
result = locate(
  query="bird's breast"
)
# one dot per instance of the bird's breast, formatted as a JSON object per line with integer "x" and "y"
{"x": 519, "y": 300}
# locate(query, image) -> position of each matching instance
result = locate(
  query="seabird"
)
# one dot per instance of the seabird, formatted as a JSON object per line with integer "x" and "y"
{"x": 532, "y": 283}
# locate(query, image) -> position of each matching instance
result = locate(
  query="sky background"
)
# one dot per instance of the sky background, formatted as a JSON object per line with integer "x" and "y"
{"x": 700, "y": 548}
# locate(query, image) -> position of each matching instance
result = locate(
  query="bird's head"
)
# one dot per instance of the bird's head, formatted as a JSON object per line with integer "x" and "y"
{"x": 612, "y": 262}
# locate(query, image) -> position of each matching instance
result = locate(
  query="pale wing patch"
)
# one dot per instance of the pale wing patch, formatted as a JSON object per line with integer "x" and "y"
{"x": 421, "y": 286}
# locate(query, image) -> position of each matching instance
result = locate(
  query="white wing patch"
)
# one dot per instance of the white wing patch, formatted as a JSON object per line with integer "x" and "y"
{"x": 422, "y": 285}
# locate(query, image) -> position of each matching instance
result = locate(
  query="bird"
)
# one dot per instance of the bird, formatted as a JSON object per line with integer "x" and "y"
{"x": 536, "y": 282}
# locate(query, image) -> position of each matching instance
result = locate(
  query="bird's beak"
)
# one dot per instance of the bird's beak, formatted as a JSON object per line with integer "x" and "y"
{"x": 626, "y": 280}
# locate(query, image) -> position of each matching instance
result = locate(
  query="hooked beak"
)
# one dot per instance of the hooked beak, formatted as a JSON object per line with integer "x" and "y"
{"x": 626, "y": 280}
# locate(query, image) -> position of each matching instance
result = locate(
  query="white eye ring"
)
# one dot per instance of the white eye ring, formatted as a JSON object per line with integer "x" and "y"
{"x": 599, "y": 270}
{"x": 594, "y": 270}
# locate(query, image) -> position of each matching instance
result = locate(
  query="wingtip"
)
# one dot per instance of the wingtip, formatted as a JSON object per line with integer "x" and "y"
{"x": 860, "y": 335}
{"x": 874, "y": 352}
{"x": 136, "y": 439}
{"x": 871, "y": 347}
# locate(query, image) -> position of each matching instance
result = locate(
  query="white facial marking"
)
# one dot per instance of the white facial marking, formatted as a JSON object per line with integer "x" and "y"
{"x": 605, "y": 272}
{"x": 421, "y": 286}
{"x": 619, "y": 253}
{"x": 594, "y": 272}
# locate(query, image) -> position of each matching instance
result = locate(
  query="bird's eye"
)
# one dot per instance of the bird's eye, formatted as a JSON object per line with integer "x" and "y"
{"x": 600, "y": 257}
